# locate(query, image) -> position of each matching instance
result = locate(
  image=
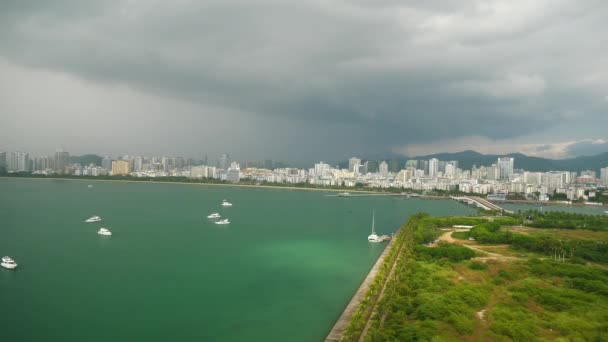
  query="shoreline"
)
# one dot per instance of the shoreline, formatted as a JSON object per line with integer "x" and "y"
{"x": 203, "y": 184}
{"x": 305, "y": 189}
{"x": 335, "y": 334}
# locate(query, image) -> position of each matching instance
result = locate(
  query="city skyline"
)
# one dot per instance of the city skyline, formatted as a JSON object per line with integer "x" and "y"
{"x": 366, "y": 78}
{"x": 496, "y": 180}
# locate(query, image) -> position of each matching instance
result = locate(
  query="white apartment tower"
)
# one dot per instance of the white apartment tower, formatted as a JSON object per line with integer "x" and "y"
{"x": 383, "y": 168}
{"x": 353, "y": 163}
{"x": 505, "y": 167}
{"x": 604, "y": 175}
{"x": 433, "y": 167}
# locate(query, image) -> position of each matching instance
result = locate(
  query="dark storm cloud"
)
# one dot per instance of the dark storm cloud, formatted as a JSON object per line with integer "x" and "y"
{"x": 389, "y": 73}
{"x": 587, "y": 148}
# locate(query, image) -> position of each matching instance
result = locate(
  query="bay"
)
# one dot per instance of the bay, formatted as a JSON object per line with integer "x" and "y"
{"x": 283, "y": 270}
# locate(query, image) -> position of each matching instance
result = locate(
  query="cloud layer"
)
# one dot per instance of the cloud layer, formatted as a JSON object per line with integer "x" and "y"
{"x": 303, "y": 80}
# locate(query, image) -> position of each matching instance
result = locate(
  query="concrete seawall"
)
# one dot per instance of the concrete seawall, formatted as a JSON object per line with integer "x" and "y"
{"x": 336, "y": 332}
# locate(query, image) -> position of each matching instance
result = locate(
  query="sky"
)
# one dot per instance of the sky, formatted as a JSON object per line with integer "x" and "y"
{"x": 304, "y": 80}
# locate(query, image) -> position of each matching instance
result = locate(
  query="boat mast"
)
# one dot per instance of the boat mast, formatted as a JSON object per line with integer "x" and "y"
{"x": 373, "y": 221}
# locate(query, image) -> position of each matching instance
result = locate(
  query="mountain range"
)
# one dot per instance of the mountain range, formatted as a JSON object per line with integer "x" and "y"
{"x": 467, "y": 159}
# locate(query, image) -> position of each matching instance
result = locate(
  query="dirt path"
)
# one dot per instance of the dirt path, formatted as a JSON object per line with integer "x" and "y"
{"x": 447, "y": 236}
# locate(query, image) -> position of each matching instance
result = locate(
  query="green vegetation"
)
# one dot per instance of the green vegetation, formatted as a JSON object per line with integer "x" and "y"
{"x": 563, "y": 220}
{"x": 429, "y": 228}
{"x": 552, "y": 246}
{"x": 444, "y": 250}
{"x": 439, "y": 294}
{"x": 400, "y": 247}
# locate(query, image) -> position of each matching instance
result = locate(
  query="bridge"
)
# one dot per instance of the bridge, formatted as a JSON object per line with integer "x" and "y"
{"x": 480, "y": 203}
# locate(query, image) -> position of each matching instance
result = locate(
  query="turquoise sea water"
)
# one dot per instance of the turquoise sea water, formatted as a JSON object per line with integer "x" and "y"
{"x": 283, "y": 270}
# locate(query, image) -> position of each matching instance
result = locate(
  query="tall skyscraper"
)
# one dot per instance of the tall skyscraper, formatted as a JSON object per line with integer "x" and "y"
{"x": 383, "y": 168}
{"x": 433, "y": 167}
{"x": 106, "y": 163}
{"x": 493, "y": 172}
{"x": 62, "y": 159}
{"x": 3, "y": 161}
{"x": 505, "y": 167}
{"x": 450, "y": 170}
{"x": 138, "y": 163}
{"x": 18, "y": 161}
{"x": 352, "y": 164}
{"x": 604, "y": 175}
{"x": 223, "y": 161}
{"x": 233, "y": 174}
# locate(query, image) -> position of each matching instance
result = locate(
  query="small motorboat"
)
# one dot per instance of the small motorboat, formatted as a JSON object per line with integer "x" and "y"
{"x": 104, "y": 231}
{"x": 93, "y": 219}
{"x": 8, "y": 263}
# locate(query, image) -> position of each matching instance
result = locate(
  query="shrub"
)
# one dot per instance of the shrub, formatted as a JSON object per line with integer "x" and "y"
{"x": 478, "y": 266}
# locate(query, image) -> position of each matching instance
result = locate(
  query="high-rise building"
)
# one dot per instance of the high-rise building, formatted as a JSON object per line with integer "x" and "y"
{"x": 588, "y": 174}
{"x": 383, "y": 168}
{"x": 106, "y": 163}
{"x": 138, "y": 163}
{"x": 352, "y": 163}
{"x": 23, "y": 161}
{"x": 3, "y": 161}
{"x": 180, "y": 162}
{"x": 18, "y": 161}
{"x": 233, "y": 174}
{"x": 433, "y": 167}
{"x": 40, "y": 164}
{"x": 492, "y": 172}
{"x": 62, "y": 159}
{"x": 321, "y": 169}
{"x": 450, "y": 170}
{"x": 505, "y": 167}
{"x": 223, "y": 161}
{"x": 121, "y": 167}
{"x": 604, "y": 175}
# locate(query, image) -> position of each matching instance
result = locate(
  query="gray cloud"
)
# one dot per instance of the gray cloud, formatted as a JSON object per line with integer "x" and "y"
{"x": 319, "y": 79}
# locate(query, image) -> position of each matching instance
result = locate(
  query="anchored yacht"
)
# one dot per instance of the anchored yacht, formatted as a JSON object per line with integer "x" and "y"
{"x": 373, "y": 236}
{"x": 214, "y": 216}
{"x": 223, "y": 221}
{"x": 9, "y": 263}
{"x": 104, "y": 231}
{"x": 93, "y": 219}
{"x": 226, "y": 204}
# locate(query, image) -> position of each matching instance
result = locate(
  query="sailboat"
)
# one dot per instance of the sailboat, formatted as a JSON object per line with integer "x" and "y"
{"x": 373, "y": 236}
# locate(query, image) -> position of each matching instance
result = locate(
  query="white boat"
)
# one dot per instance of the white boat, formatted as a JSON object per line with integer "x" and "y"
{"x": 226, "y": 204}
{"x": 223, "y": 221}
{"x": 93, "y": 219}
{"x": 344, "y": 194}
{"x": 104, "y": 231}
{"x": 373, "y": 236}
{"x": 90, "y": 185}
{"x": 214, "y": 216}
{"x": 9, "y": 263}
